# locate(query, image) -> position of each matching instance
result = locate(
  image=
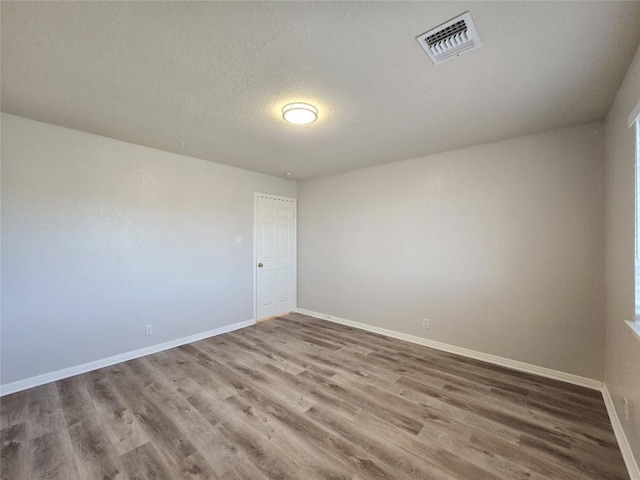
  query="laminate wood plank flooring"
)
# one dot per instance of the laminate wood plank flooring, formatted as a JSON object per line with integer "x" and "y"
{"x": 301, "y": 398}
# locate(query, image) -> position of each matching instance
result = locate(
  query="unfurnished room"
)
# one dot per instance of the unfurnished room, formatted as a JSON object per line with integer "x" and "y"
{"x": 311, "y": 240}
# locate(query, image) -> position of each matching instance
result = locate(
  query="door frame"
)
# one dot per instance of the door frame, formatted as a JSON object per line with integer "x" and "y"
{"x": 257, "y": 195}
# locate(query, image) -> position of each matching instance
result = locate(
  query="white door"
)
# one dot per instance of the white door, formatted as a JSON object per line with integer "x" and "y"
{"x": 275, "y": 256}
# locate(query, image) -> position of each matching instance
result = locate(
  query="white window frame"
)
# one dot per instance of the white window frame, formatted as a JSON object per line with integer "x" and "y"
{"x": 634, "y": 121}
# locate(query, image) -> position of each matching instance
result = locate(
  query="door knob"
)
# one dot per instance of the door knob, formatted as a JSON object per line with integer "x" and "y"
{"x": 260, "y": 265}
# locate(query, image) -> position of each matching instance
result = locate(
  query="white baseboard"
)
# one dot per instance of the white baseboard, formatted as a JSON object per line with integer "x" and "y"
{"x": 623, "y": 443}
{"x": 465, "y": 352}
{"x": 123, "y": 357}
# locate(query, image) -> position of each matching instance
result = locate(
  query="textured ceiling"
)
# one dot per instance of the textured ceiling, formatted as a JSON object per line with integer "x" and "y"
{"x": 213, "y": 76}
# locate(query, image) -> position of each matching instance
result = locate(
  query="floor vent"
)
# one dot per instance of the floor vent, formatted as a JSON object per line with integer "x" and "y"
{"x": 451, "y": 39}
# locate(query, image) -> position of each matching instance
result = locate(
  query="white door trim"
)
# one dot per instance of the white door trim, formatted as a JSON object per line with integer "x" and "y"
{"x": 257, "y": 195}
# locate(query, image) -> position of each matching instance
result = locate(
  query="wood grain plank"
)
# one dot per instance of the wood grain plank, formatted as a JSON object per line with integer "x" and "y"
{"x": 94, "y": 454}
{"x": 14, "y": 408}
{"x": 53, "y": 458}
{"x": 144, "y": 463}
{"x": 45, "y": 411}
{"x": 15, "y": 455}
{"x": 122, "y": 427}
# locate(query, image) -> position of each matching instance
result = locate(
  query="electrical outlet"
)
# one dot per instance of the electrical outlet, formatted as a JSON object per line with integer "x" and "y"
{"x": 425, "y": 323}
{"x": 626, "y": 409}
{"x": 148, "y": 329}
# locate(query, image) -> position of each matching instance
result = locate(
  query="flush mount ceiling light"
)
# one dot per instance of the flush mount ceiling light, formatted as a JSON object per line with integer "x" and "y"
{"x": 299, "y": 113}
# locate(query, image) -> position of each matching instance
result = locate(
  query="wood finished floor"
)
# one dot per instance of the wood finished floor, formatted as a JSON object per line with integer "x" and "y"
{"x": 301, "y": 398}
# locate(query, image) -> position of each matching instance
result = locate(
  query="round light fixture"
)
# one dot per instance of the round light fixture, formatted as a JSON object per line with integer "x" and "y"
{"x": 299, "y": 113}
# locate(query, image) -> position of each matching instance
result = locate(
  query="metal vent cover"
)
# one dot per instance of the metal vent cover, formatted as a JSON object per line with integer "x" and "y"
{"x": 451, "y": 39}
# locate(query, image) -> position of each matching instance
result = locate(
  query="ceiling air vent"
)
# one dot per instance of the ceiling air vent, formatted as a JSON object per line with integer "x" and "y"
{"x": 451, "y": 39}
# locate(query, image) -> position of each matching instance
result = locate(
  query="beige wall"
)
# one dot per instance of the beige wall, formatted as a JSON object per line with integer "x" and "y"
{"x": 499, "y": 245}
{"x": 100, "y": 237}
{"x": 622, "y": 352}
